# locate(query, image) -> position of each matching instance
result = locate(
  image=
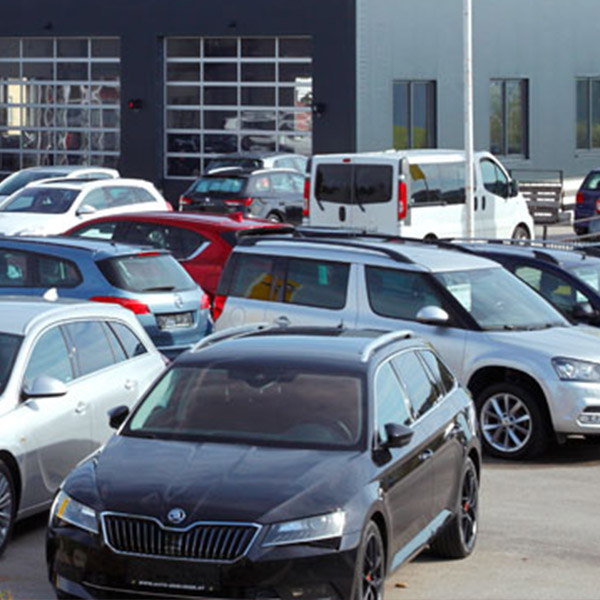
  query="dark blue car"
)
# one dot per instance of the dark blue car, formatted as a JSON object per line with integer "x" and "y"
{"x": 587, "y": 205}
{"x": 173, "y": 309}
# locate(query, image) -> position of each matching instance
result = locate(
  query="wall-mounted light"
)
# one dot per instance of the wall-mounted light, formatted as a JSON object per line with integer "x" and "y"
{"x": 318, "y": 109}
{"x": 135, "y": 104}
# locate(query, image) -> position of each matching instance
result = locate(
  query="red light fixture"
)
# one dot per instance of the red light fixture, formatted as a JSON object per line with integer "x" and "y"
{"x": 579, "y": 198}
{"x": 218, "y": 306}
{"x": 306, "y": 204}
{"x": 135, "y": 306}
{"x": 402, "y": 201}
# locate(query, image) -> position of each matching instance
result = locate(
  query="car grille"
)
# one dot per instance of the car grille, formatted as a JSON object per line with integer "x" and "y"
{"x": 223, "y": 542}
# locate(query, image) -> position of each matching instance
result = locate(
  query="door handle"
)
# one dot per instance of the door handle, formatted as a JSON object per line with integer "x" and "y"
{"x": 80, "y": 408}
{"x": 282, "y": 321}
{"x": 425, "y": 455}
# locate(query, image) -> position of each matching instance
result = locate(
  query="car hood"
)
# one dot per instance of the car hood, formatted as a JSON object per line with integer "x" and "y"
{"x": 224, "y": 482}
{"x": 32, "y": 223}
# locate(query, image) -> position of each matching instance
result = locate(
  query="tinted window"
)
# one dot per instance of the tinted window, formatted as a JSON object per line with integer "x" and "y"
{"x": 229, "y": 185}
{"x": 20, "y": 179}
{"x": 316, "y": 283}
{"x": 439, "y": 182}
{"x": 373, "y": 183}
{"x": 422, "y": 394}
{"x": 91, "y": 348}
{"x": 443, "y": 377}
{"x": 41, "y": 200}
{"x": 592, "y": 182}
{"x": 14, "y": 268}
{"x": 494, "y": 180}
{"x": 252, "y": 277}
{"x": 101, "y": 231}
{"x": 333, "y": 183}
{"x": 343, "y": 184}
{"x": 143, "y": 195}
{"x": 391, "y": 403}
{"x": 50, "y": 357}
{"x": 399, "y": 294}
{"x": 146, "y": 272}
{"x": 56, "y": 272}
{"x": 180, "y": 242}
{"x": 9, "y": 346}
{"x": 130, "y": 342}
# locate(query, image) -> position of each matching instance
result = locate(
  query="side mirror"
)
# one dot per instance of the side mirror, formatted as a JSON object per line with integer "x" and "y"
{"x": 513, "y": 188}
{"x": 433, "y": 315}
{"x": 44, "y": 386}
{"x": 85, "y": 210}
{"x": 583, "y": 311}
{"x": 398, "y": 435}
{"x": 117, "y": 416}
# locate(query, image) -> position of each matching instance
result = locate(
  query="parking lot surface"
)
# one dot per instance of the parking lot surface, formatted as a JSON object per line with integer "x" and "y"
{"x": 537, "y": 540}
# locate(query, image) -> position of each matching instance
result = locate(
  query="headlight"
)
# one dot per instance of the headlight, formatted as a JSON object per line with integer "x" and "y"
{"x": 569, "y": 369}
{"x": 66, "y": 509}
{"x": 306, "y": 530}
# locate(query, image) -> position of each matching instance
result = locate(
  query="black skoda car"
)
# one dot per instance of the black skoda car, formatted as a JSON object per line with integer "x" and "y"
{"x": 274, "y": 463}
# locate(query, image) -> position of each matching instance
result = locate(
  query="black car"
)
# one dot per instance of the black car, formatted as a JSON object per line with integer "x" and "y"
{"x": 567, "y": 275}
{"x": 259, "y": 160}
{"x": 274, "y": 463}
{"x": 587, "y": 205}
{"x": 274, "y": 194}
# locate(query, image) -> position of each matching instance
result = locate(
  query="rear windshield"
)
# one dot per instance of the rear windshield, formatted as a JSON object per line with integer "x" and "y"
{"x": 9, "y": 346}
{"x": 41, "y": 200}
{"x": 146, "y": 272}
{"x": 349, "y": 184}
{"x": 218, "y": 185}
{"x": 592, "y": 182}
{"x": 244, "y": 163}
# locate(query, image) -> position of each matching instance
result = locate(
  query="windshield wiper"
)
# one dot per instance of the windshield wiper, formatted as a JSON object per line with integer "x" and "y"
{"x": 159, "y": 288}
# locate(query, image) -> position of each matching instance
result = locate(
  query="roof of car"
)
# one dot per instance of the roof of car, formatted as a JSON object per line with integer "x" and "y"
{"x": 67, "y": 168}
{"x": 79, "y": 184}
{"x": 19, "y": 313}
{"x": 252, "y": 154}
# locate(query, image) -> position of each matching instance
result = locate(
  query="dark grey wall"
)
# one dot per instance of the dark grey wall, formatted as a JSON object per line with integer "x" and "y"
{"x": 142, "y": 23}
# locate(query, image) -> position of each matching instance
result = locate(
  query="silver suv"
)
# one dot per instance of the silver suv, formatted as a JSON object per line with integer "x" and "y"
{"x": 532, "y": 374}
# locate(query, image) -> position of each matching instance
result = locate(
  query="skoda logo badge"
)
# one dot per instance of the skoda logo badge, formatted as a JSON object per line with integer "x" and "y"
{"x": 178, "y": 300}
{"x": 176, "y": 516}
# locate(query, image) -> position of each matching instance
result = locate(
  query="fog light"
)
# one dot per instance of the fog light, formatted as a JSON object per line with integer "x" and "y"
{"x": 589, "y": 418}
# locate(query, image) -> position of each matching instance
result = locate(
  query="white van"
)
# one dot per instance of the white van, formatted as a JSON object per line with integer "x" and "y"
{"x": 414, "y": 193}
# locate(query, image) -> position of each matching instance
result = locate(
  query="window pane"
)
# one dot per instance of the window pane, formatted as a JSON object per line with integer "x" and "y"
{"x": 496, "y": 118}
{"x": 106, "y": 48}
{"x": 258, "y": 96}
{"x": 253, "y": 277}
{"x": 422, "y": 395}
{"x": 295, "y": 47}
{"x": 38, "y": 47}
{"x": 183, "y": 47}
{"x": 54, "y": 272}
{"x": 258, "y": 47}
{"x": 401, "y": 140}
{"x": 442, "y": 376}
{"x": 183, "y": 72}
{"x": 220, "y": 96}
{"x": 515, "y": 114}
{"x": 220, "y": 47}
{"x": 183, "y": 119}
{"x": 583, "y": 113}
{"x": 420, "y": 115}
{"x": 220, "y": 72}
{"x": 315, "y": 283}
{"x": 50, "y": 357}
{"x": 130, "y": 342}
{"x": 72, "y": 48}
{"x": 258, "y": 72}
{"x": 91, "y": 348}
{"x": 294, "y": 72}
{"x": 391, "y": 401}
{"x": 9, "y": 47}
{"x": 188, "y": 94}
{"x": 596, "y": 113}
{"x": 14, "y": 269}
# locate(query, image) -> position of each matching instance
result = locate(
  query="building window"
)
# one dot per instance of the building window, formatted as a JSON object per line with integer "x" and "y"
{"x": 414, "y": 114}
{"x": 233, "y": 94}
{"x": 509, "y": 123}
{"x": 59, "y": 102}
{"x": 588, "y": 113}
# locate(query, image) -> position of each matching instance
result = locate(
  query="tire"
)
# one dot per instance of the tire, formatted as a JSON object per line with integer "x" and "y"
{"x": 521, "y": 233}
{"x": 8, "y": 505}
{"x": 369, "y": 572}
{"x": 275, "y": 217}
{"x": 457, "y": 539}
{"x": 512, "y": 424}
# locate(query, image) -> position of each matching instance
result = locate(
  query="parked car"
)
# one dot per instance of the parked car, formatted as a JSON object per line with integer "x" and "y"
{"x": 52, "y": 207}
{"x": 201, "y": 243}
{"x": 259, "y": 160}
{"x": 173, "y": 309}
{"x": 270, "y": 463}
{"x": 587, "y": 205}
{"x": 567, "y": 275}
{"x": 21, "y": 178}
{"x": 273, "y": 194}
{"x": 532, "y": 374}
{"x": 63, "y": 365}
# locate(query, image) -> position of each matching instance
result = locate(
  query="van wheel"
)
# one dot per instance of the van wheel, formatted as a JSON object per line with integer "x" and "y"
{"x": 521, "y": 233}
{"x": 430, "y": 237}
{"x": 8, "y": 505}
{"x": 511, "y": 421}
{"x": 275, "y": 217}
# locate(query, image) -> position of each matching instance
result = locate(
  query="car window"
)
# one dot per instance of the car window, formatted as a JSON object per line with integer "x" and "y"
{"x": 422, "y": 394}
{"x": 233, "y": 185}
{"x": 399, "y": 294}
{"x": 50, "y": 357}
{"x": 440, "y": 372}
{"x": 96, "y": 199}
{"x": 297, "y": 183}
{"x": 41, "y": 200}
{"x": 121, "y": 196}
{"x": 282, "y": 182}
{"x": 143, "y": 195}
{"x": 285, "y": 163}
{"x": 14, "y": 268}
{"x": 101, "y": 231}
{"x": 494, "y": 180}
{"x": 131, "y": 344}
{"x": 252, "y": 277}
{"x": 262, "y": 184}
{"x": 366, "y": 184}
{"x": 181, "y": 242}
{"x": 592, "y": 181}
{"x": 9, "y": 348}
{"x": 316, "y": 283}
{"x": 391, "y": 403}
{"x": 57, "y": 272}
{"x": 438, "y": 182}
{"x": 89, "y": 346}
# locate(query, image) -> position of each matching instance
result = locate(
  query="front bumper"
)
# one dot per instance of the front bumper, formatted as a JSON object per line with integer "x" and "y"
{"x": 81, "y": 565}
{"x": 569, "y": 402}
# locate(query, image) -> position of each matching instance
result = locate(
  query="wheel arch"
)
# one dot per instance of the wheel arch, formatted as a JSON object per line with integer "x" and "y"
{"x": 11, "y": 462}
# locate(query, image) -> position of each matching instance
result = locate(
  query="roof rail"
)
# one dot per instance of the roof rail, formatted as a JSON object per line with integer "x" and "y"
{"x": 383, "y": 340}
{"x": 232, "y": 333}
{"x": 537, "y": 246}
{"x": 391, "y": 253}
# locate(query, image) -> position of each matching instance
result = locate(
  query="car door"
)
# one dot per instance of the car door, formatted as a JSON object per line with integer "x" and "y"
{"x": 392, "y": 298}
{"x": 404, "y": 474}
{"x": 493, "y": 214}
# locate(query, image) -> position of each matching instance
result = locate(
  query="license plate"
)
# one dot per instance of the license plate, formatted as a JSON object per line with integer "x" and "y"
{"x": 175, "y": 320}
{"x": 176, "y": 578}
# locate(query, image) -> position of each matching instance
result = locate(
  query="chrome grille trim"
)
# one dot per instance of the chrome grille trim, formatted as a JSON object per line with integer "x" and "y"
{"x": 201, "y": 541}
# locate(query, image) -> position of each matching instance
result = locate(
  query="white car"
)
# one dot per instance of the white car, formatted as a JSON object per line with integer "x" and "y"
{"x": 52, "y": 207}
{"x": 21, "y": 178}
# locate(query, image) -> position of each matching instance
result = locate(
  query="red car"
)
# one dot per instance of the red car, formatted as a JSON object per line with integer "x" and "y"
{"x": 201, "y": 243}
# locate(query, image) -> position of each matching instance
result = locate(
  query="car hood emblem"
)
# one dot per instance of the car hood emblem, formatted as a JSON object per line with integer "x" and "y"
{"x": 176, "y": 516}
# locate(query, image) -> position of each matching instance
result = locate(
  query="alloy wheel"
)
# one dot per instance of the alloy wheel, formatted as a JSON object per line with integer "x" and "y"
{"x": 506, "y": 423}
{"x": 373, "y": 568}
{"x": 6, "y": 507}
{"x": 468, "y": 512}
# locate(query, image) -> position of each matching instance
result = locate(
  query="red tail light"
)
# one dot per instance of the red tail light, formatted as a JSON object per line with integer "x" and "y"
{"x": 185, "y": 200}
{"x": 306, "y": 206}
{"x": 205, "y": 301}
{"x": 218, "y": 306}
{"x": 239, "y": 201}
{"x": 598, "y": 206}
{"x": 579, "y": 198}
{"x": 135, "y": 306}
{"x": 401, "y": 200}
{"x": 169, "y": 206}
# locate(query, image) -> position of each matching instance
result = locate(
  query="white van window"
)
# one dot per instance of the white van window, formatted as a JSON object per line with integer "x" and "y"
{"x": 494, "y": 180}
{"x": 442, "y": 183}
{"x": 360, "y": 184}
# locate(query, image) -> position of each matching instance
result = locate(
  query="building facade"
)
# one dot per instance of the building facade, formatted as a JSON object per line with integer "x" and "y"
{"x": 156, "y": 88}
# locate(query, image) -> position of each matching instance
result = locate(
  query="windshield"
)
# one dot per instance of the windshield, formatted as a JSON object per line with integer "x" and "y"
{"x": 219, "y": 185}
{"x": 498, "y": 300}
{"x": 41, "y": 200}
{"x": 20, "y": 179}
{"x": 589, "y": 274}
{"x": 254, "y": 404}
{"x": 9, "y": 346}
